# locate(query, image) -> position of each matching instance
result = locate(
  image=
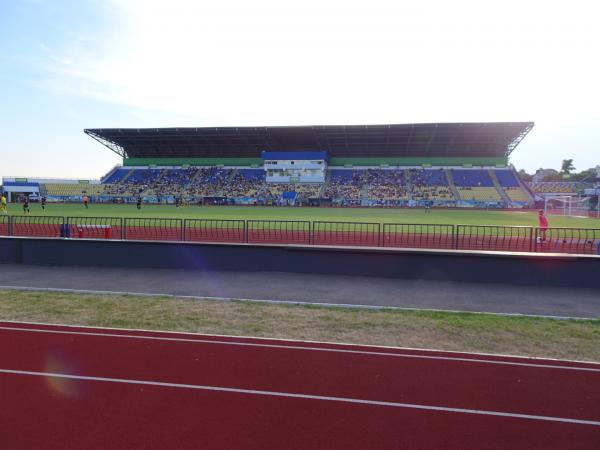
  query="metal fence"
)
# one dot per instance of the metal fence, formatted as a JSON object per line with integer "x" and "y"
{"x": 37, "y": 226}
{"x": 5, "y": 225}
{"x": 278, "y": 231}
{"x": 153, "y": 229}
{"x": 346, "y": 233}
{"x": 428, "y": 236}
{"x": 95, "y": 227}
{"x": 214, "y": 230}
{"x": 418, "y": 236}
{"x": 494, "y": 237}
{"x": 567, "y": 240}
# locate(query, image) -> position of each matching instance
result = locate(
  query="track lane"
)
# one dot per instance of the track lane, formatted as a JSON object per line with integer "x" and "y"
{"x": 96, "y": 415}
{"x": 539, "y": 388}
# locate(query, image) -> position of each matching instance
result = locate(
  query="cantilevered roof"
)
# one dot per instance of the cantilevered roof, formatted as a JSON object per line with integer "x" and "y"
{"x": 492, "y": 139}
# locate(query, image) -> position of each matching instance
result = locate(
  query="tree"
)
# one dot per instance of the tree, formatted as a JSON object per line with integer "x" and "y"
{"x": 566, "y": 167}
{"x": 547, "y": 175}
{"x": 524, "y": 176}
{"x": 585, "y": 175}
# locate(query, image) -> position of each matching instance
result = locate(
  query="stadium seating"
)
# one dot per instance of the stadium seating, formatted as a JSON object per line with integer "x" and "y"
{"x": 244, "y": 183}
{"x": 275, "y": 191}
{"x": 471, "y": 178}
{"x": 556, "y": 187}
{"x": 430, "y": 184}
{"x": 73, "y": 190}
{"x": 117, "y": 176}
{"x": 345, "y": 184}
{"x": 510, "y": 184}
{"x": 386, "y": 184}
{"x": 479, "y": 193}
{"x": 381, "y": 186}
{"x": 506, "y": 178}
{"x": 516, "y": 194}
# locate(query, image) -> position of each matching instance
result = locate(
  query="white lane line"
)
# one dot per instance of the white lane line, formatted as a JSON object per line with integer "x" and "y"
{"x": 303, "y": 396}
{"x": 296, "y": 342}
{"x": 304, "y": 348}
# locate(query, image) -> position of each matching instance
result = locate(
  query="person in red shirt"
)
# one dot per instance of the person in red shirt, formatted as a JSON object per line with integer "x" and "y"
{"x": 543, "y": 223}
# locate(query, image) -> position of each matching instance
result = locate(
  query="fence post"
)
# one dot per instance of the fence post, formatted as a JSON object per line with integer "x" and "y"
{"x": 535, "y": 240}
{"x": 65, "y": 227}
{"x": 245, "y": 231}
{"x": 531, "y": 239}
{"x": 10, "y": 225}
{"x": 124, "y": 229}
{"x": 183, "y": 224}
{"x": 311, "y": 238}
{"x": 121, "y": 228}
{"x": 455, "y": 230}
{"x": 379, "y": 236}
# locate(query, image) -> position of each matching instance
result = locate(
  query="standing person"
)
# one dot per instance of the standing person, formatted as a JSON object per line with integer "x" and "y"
{"x": 26, "y": 205}
{"x": 3, "y": 205}
{"x": 138, "y": 203}
{"x": 543, "y": 223}
{"x": 86, "y": 200}
{"x": 43, "y": 202}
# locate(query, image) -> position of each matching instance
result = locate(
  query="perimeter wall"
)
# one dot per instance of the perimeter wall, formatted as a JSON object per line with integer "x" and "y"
{"x": 460, "y": 266}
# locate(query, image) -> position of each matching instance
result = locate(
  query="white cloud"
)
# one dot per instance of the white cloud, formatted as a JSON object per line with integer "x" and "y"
{"x": 235, "y": 62}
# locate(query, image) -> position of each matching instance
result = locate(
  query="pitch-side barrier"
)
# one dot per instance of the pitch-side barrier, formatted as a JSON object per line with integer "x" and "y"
{"x": 397, "y": 235}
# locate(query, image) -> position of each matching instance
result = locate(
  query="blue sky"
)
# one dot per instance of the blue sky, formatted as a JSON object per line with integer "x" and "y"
{"x": 70, "y": 65}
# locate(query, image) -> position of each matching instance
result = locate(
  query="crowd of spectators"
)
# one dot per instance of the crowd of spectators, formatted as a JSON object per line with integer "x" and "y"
{"x": 302, "y": 191}
{"x": 208, "y": 182}
{"x": 345, "y": 184}
{"x": 429, "y": 184}
{"x": 386, "y": 184}
{"x": 245, "y": 183}
{"x": 380, "y": 186}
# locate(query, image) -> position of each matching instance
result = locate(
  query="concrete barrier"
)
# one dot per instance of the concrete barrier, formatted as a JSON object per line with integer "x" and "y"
{"x": 461, "y": 266}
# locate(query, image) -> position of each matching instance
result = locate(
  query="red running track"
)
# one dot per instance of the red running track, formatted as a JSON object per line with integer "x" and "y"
{"x": 85, "y": 388}
{"x": 554, "y": 244}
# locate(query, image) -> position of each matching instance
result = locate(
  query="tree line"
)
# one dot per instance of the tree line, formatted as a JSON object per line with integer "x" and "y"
{"x": 567, "y": 173}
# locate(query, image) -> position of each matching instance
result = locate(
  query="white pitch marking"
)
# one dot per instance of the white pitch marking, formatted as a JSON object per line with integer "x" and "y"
{"x": 304, "y": 396}
{"x": 307, "y": 348}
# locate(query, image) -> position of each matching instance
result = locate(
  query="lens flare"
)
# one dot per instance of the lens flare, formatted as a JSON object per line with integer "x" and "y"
{"x": 62, "y": 387}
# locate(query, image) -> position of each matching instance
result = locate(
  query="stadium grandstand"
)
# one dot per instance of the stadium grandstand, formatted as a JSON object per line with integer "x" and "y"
{"x": 443, "y": 164}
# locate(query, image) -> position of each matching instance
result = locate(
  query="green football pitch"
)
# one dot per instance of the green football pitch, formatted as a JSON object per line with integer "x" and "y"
{"x": 377, "y": 215}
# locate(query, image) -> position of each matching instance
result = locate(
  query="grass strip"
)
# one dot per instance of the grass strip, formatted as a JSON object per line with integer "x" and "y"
{"x": 468, "y": 332}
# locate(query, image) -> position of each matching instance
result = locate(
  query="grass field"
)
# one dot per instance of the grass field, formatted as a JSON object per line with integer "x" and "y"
{"x": 487, "y": 333}
{"x": 378, "y": 215}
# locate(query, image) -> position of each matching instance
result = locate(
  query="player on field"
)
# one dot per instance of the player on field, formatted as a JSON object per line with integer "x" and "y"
{"x": 138, "y": 203}
{"x": 543, "y": 223}
{"x": 3, "y": 205}
{"x": 86, "y": 200}
{"x": 43, "y": 202}
{"x": 26, "y": 205}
